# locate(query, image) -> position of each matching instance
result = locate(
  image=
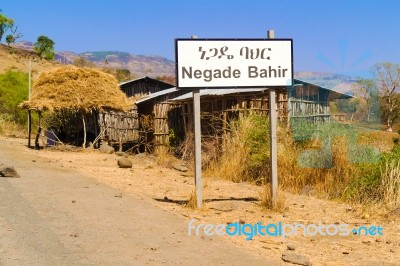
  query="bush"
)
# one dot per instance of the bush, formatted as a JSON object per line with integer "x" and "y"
{"x": 13, "y": 90}
{"x": 245, "y": 153}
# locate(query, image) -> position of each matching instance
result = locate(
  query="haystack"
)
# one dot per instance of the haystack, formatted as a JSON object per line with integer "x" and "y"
{"x": 76, "y": 88}
{"x": 84, "y": 90}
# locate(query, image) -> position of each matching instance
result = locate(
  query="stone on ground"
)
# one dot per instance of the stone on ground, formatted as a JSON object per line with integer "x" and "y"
{"x": 104, "y": 148}
{"x": 295, "y": 258}
{"x": 124, "y": 163}
{"x": 180, "y": 168}
{"x": 9, "y": 171}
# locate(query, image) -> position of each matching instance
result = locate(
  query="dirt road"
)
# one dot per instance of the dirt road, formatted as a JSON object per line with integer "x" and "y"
{"x": 56, "y": 216}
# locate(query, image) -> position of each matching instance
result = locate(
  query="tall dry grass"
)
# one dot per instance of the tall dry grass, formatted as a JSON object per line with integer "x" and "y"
{"x": 244, "y": 152}
{"x": 8, "y": 128}
{"x": 390, "y": 183}
{"x": 245, "y": 157}
{"x": 266, "y": 199}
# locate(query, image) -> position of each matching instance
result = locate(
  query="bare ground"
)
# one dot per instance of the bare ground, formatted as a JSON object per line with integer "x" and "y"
{"x": 154, "y": 187}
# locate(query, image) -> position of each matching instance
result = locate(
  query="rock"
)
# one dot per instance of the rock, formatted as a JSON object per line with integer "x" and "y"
{"x": 121, "y": 153}
{"x": 307, "y": 190}
{"x": 124, "y": 163}
{"x": 106, "y": 149}
{"x": 348, "y": 208}
{"x": 291, "y": 247}
{"x": 241, "y": 221}
{"x": 180, "y": 168}
{"x": 295, "y": 258}
{"x": 141, "y": 155}
{"x": 9, "y": 171}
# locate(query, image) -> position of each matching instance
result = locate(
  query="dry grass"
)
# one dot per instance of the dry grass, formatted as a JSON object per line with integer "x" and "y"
{"x": 266, "y": 199}
{"x": 390, "y": 183}
{"x": 12, "y": 129}
{"x": 192, "y": 202}
{"x": 326, "y": 182}
{"x": 164, "y": 157}
{"x": 18, "y": 59}
{"x": 76, "y": 88}
{"x": 382, "y": 140}
{"x": 238, "y": 161}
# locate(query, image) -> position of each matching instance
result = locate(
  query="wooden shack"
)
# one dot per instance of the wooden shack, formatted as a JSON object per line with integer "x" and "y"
{"x": 302, "y": 101}
{"x": 162, "y": 110}
{"x": 133, "y": 126}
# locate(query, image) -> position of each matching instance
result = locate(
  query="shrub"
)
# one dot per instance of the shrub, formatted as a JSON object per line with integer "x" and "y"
{"x": 13, "y": 90}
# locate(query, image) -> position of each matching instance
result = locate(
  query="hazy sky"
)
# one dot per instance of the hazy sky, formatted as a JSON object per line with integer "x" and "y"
{"x": 333, "y": 36}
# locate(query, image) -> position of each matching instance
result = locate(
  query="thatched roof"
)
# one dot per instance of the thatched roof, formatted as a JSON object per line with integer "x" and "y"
{"x": 76, "y": 88}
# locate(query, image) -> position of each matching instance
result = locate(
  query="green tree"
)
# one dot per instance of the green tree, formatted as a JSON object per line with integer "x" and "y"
{"x": 13, "y": 90}
{"x": 123, "y": 74}
{"x": 44, "y": 47}
{"x": 6, "y": 23}
{"x": 10, "y": 39}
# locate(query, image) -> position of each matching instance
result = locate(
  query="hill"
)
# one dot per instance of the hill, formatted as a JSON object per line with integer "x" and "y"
{"x": 13, "y": 58}
{"x": 138, "y": 65}
{"x": 337, "y": 82}
{"x": 142, "y": 65}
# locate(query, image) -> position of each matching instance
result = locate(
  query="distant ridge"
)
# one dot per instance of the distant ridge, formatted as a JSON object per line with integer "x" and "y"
{"x": 153, "y": 66}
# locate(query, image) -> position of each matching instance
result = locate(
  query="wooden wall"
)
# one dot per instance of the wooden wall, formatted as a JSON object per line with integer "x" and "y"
{"x": 310, "y": 103}
{"x": 117, "y": 127}
{"x": 144, "y": 86}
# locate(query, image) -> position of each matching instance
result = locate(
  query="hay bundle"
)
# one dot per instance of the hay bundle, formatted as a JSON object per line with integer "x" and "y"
{"x": 74, "y": 88}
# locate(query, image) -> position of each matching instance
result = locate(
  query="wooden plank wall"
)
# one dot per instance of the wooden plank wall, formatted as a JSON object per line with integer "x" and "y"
{"x": 309, "y": 102}
{"x": 143, "y": 87}
{"x": 216, "y": 112}
{"x": 119, "y": 126}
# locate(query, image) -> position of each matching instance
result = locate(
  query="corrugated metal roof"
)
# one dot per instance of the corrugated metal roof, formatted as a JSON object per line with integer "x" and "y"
{"x": 129, "y": 81}
{"x": 143, "y": 78}
{"x": 218, "y": 92}
{"x": 335, "y": 94}
{"x": 156, "y": 94}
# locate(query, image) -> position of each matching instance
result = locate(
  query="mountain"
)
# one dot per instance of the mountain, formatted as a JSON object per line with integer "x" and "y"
{"x": 337, "y": 82}
{"x": 153, "y": 66}
{"x": 138, "y": 65}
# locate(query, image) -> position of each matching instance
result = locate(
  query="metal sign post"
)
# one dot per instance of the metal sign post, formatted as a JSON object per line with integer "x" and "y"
{"x": 233, "y": 63}
{"x": 197, "y": 146}
{"x": 272, "y": 137}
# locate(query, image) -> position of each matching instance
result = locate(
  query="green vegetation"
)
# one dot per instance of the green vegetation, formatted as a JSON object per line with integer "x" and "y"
{"x": 13, "y": 90}
{"x": 338, "y": 161}
{"x": 6, "y": 24}
{"x": 44, "y": 47}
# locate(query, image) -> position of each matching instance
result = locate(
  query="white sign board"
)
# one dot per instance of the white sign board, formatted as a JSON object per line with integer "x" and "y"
{"x": 216, "y": 63}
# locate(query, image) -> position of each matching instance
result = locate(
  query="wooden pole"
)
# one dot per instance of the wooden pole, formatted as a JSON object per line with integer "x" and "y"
{"x": 30, "y": 79}
{"x": 29, "y": 128}
{"x": 29, "y": 97}
{"x": 84, "y": 130}
{"x": 273, "y": 142}
{"x": 37, "y": 146}
{"x": 197, "y": 146}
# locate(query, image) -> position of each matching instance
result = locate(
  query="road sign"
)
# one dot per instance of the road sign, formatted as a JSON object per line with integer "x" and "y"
{"x": 219, "y": 63}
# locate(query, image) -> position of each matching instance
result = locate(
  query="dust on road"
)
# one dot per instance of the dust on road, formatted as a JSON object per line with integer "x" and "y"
{"x": 57, "y": 216}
